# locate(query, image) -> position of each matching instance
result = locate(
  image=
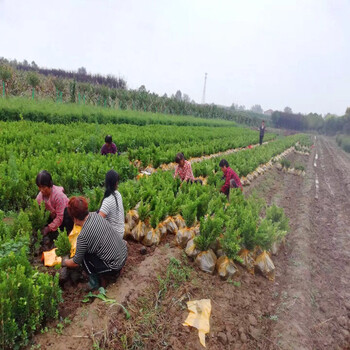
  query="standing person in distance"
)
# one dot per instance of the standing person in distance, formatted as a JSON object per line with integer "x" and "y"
{"x": 232, "y": 180}
{"x": 112, "y": 203}
{"x": 56, "y": 203}
{"x": 262, "y": 132}
{"x": 109, "y": 146}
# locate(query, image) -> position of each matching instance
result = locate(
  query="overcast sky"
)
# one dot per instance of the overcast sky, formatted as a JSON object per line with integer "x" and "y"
{"x": 274, "y": 53}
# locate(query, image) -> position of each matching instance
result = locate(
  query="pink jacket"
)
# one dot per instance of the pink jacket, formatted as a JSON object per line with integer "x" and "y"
{"x": 55, "y": 204}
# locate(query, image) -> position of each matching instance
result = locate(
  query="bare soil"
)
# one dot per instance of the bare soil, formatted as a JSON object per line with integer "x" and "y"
{"x": 306, "y": 307}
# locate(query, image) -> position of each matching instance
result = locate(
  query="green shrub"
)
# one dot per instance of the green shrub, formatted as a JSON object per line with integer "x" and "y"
{"x": 285, "y": 163}
{"x": 38, "y": 215}
{"x": 27, "y": 299}
{"x": 210, "y": 229}
{"x": 62, "y": 243}
{"x": 231, "y": 241}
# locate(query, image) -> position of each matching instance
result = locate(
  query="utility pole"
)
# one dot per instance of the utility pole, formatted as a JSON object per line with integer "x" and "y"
{"x": 205, "y": 85}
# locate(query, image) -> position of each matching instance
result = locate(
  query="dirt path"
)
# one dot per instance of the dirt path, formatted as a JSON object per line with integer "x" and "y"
{"x": 313, "y": 292}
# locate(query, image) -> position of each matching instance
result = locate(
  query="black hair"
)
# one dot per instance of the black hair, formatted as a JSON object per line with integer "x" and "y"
{"x": 111, "y": 183}
{"x": 263, "y": 121}
{"x": 223, "y": 162}
{"x": 179, "y": 157}
{"x": 108, "y": 139}
{"x": 44, "y": 179}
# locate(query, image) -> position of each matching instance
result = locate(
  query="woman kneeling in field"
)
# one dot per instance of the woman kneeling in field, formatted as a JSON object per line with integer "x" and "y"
{"x": 56, "y": 203}
{"x": 184, "y": 169}
{"x": 100, "y": 251}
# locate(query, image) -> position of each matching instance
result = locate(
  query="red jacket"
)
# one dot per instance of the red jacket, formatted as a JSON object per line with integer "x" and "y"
{"x": 228, "y": 175}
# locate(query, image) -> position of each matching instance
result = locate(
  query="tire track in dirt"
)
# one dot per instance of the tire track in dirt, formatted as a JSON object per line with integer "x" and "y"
{"x": 316, "y": 283}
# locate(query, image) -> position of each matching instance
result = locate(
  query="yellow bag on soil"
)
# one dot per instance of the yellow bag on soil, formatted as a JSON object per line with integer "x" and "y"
{"x": 247, "y": 260}
{"x": 170, "y": 225}
{"x": 265, "y": 266}
{"x": 225, "y": 267}
{"x": 206, "y": 261}
{"x": 191, "y": 250}
{"x": 73, "y": 239}
{"x": 179, "y": 221}
{"x": 132, "y": 218}
{"x": 162, "y": 230}
{"x": 152, "y": 237}
{"x": 139, "y": 231}
{"x": 50, "y": 258}
{"x": 198, "y": 317}
{"x": 183, "y": 236}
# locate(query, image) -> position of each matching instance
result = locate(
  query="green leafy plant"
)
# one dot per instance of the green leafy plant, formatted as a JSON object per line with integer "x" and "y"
{"x": 103, "y": 296}
{"x": 210, "y": 229}
{"x": 62, "y": 244}
{"x": 144, "y": 211}
{"x": 38, "y": 215}
{"x": 285, "y": 163}
{"x": 189, "y": 213}
{"x": 231, "y": 242}
{"x": 298, "y": 166}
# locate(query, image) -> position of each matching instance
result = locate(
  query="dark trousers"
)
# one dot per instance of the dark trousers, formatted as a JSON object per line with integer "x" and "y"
{"x": 93, "y": 265}
{"x": 67, "y": 224}
{"x": 261, "y": 139}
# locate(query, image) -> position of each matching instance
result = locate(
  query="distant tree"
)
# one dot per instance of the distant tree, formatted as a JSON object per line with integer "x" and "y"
{"x": 34, "y": 65}
{"x": 330, "y": 115}
{"x": 5, "y": 76}
{"x": 347, "y": 112}
{"x": 59, "y": 84}
{"x": 82, "y": 71}
{"x": 165, "y": 96}
{"x": 257, "y": 109}
{"x": 25, "y": 63}
{"x": 178, "y": 95}
{"x": 72, "y": 90}
{"x": 5, "y": 73}
{"x": 287, "y": 110}
{"x": 186, "y": 98}
{"x": 241, "y": 108}
{"x": 33, "y": 80}
{"x": 234, "y": 107}
{"x": 142, "y": 88}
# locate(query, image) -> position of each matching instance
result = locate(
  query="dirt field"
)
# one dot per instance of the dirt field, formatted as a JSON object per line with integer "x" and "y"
{"x": 306, "y": 307}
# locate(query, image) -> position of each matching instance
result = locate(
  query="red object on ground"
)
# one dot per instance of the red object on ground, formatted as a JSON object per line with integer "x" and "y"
{"x": 250, "y": 146}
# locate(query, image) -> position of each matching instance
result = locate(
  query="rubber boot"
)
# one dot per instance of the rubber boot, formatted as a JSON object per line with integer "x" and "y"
{"x": 94, "y": 282}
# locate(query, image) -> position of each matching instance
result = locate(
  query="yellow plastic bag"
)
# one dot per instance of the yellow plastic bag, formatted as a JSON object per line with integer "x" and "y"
{"x": 225, "y": 267}
{"x": 132, "y": 218}
{"x": 50, "y": 258}
{"x": 247, "y": 260}
{"x": 162, "y": 230}
{"x": 183, "y": 236}
{"x": 152, "y": 237}
{"x": 73, "y": 239}
{"x": 198, "y": 317}
{"x": 206, "y": 261}
{"x": 170, "y": 225}
{"x": 265, "y": 265}
{"x": 191, "y": 250}
{"x": 180, "y": 222}
{"x": 139, "y": 231}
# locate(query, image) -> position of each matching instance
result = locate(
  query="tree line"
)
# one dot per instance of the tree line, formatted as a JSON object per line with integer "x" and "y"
{"x": 29, "y": 81}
